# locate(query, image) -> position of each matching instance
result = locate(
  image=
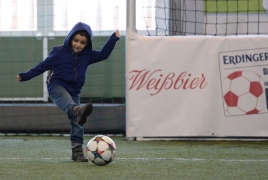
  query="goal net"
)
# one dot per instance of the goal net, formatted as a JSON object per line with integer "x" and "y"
{"x": 202, "y": 17}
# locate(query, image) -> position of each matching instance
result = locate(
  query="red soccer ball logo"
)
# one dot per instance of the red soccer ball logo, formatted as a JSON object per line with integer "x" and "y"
{"x": 242, "y": 93}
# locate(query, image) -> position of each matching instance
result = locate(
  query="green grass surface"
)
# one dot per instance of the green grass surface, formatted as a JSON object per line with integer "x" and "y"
{"x": 39, "y": 157}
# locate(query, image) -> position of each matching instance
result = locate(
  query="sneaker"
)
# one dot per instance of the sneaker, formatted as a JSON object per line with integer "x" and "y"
{"x": 82, "y": 113}
{"x": 78, "y": 154}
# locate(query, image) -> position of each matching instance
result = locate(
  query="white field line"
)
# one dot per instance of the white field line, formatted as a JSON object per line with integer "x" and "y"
{"x": 151, "y": 159}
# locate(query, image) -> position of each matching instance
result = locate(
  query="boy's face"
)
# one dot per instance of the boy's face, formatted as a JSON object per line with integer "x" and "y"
{"x": 78, "y": 43}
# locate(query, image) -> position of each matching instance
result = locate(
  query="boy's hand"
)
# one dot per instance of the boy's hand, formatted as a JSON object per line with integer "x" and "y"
{"x": 117, "y": 34}
{"x": 18, "y": 78}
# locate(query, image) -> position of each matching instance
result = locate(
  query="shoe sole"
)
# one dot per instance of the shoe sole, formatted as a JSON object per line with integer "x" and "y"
{"x": 87, "y": 111}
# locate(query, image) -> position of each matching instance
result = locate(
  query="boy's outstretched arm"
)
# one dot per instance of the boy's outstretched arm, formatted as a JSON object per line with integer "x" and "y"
{"x": 38, "y": 69}
{"x": 107, "y": 49}
{"x": 35, "y": 71}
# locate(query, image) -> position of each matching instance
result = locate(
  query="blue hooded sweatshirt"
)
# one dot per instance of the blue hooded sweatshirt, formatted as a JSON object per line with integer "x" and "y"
{"x": 68, "y": 69}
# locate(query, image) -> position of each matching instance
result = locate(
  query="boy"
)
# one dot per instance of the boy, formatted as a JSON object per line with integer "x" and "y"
{"x": 68, "y": 65}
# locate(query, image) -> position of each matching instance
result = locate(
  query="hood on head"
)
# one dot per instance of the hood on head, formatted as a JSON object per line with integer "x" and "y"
{"x": 80, "y": 26}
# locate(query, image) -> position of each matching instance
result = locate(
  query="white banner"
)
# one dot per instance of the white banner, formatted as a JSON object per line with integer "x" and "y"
{"x": 197, "y": 86}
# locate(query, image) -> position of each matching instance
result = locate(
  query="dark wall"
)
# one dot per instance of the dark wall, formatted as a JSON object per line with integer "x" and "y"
{"x": 18, "y": 54}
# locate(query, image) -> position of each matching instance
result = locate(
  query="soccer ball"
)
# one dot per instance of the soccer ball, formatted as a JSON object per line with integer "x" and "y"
{"x": 101, "y": 150}
{"x": 243, "y": 93}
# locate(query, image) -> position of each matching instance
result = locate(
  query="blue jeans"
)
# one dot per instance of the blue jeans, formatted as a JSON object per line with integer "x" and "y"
{"x": 60, "y": 96}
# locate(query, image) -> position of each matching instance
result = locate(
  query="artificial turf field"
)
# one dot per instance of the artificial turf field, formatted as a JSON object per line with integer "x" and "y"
{"x": 48, "y": 157}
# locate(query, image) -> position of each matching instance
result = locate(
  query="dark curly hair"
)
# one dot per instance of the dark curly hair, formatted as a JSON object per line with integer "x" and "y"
{"x": 81, "y": 33}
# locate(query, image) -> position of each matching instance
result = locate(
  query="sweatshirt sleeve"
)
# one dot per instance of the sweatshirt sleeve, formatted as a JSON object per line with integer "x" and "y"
{"x": 105, "y": 52}
{"x": 40, "y": 68}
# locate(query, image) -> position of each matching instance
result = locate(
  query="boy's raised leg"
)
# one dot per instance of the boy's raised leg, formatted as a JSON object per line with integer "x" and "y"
{"x": 82, "y": 113}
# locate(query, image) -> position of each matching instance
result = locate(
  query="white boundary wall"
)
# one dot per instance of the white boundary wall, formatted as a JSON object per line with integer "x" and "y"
{"x": 176, "y": 86}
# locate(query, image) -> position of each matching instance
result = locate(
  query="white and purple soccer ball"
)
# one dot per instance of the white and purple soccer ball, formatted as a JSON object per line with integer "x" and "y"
{"x": 101, "y": 150}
